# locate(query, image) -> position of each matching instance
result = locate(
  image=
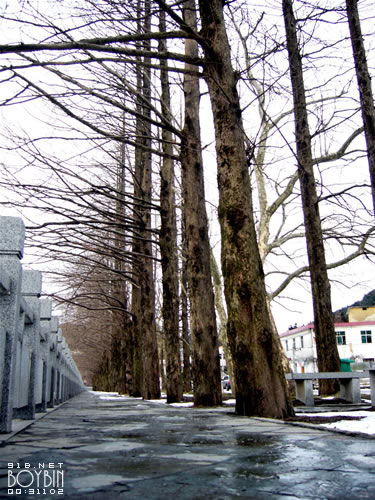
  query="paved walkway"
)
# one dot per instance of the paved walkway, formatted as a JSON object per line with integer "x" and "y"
{"x": 131, "y": 449}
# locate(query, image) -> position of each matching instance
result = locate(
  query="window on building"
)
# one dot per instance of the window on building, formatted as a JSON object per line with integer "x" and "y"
{"x": 286, "y": 346}
{"x": 294, "y": 343}
{"x": 366, "y": 336}
{"x": 341, "y": 338}
{"x": 301, "y": 341}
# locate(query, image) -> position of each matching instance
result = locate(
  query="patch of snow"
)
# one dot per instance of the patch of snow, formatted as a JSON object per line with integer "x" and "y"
{"x": 186, "y": 405}
{"x": 164, "y": 401}
{"x": 365, "y": 425}
{"x": 110, "y": 396}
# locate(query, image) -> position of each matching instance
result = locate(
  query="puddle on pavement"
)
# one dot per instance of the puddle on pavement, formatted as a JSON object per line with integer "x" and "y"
{"x": 254, "y": 440}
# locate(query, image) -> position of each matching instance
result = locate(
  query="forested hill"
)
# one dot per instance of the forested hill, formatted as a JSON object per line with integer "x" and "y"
{"x": 342, "y": 314}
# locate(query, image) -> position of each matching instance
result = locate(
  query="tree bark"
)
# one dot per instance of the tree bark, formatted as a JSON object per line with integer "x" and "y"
{"x": 364, "y": 86}
{"x": 205, "y": 350}
{"x": 260, "y": 381}
{"x": 145, "y": 359}
{"x": 327, "y": 352}
{"x": 151, "y": 379}
{"x": 168, "y": 244}
{"x": 135, "y": 380}
{"x": 120, "y": 358}
{"x": 186, "y": 337}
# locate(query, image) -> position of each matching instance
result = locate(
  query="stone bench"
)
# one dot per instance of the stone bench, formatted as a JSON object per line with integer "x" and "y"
{"x": 350, "y": 389}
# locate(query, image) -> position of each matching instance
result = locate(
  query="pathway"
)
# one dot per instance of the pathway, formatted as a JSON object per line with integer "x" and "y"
{"x": 124, "y": 448}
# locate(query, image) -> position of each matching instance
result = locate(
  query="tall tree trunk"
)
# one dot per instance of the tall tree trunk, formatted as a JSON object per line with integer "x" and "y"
{"x": 134, "y": 377}
{"x": 163, "y": 381}
{"x": 145, "y": 360}
{"x": 120, "y": 325}
{"x": 135, "y": 380}
{"x": 151, "y": 381}
{"x": 364, "y": 86}
{"x": 327, "y": 352}
{"x": 186, "y": 338}
{"x": 168, "y": 243}
{"x": 206, "y": 361}
{"x": 260, "y": 381}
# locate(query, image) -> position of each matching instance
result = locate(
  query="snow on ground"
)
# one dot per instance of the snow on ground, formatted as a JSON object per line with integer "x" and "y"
{"x": 189, "y": 404}
{"x": 365, "y": 425}
{"x": 110, "y": 396}
{"x": 164, "y": 401}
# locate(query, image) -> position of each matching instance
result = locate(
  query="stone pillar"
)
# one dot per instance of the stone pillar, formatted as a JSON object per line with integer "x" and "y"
{"x": 58, "y": 390}
{"x": 44, "y": 401}
{"x": 52, "y": 395}
{"x": 45, "y": 354}
{"x": 60, "y": 364}
{"x": 53, "y": 337}
{"x": 31, "y": 289}
{"x": 372, "y": 384}
{"x": 64, "y": 386}
{"x": 12, "y": 235}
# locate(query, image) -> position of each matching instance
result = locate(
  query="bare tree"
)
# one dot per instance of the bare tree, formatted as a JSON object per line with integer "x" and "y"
{"x": 328, "y": 357}
{"x": 168, "y": 242}
{"x": 144, "y": 315}
{"x": 260, "y": 382}
{"x": 205, "y": 351}
{"x": 346, "y": 228}
{"x": 184, "y": 301}
{"x": 364, "y": 86}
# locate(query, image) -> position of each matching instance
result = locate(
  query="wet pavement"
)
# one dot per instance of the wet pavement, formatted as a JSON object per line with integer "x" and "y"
{"x": 93, "y": 448}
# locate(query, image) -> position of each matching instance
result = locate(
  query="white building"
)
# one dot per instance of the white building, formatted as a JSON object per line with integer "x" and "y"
{"x": 355, "y": 340}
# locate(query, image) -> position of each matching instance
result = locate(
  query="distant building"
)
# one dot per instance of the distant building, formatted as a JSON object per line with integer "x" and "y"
{"x": 361, "y": 314}
{"x": 355, "y": 340}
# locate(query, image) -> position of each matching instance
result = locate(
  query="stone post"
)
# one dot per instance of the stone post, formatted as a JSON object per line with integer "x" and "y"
{"x": 45, "y": 332}
{"x": 12, "y": 235}
{"x": 21, "y": 360}
{"x": 54, "y": 325}
{"x": 31, "y": 289}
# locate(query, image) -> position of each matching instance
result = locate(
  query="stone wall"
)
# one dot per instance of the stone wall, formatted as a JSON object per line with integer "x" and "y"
{"x": 37, "y": 370}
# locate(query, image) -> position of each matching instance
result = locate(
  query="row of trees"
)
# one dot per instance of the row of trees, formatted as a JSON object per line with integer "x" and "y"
{"x": 118, "y": 178}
